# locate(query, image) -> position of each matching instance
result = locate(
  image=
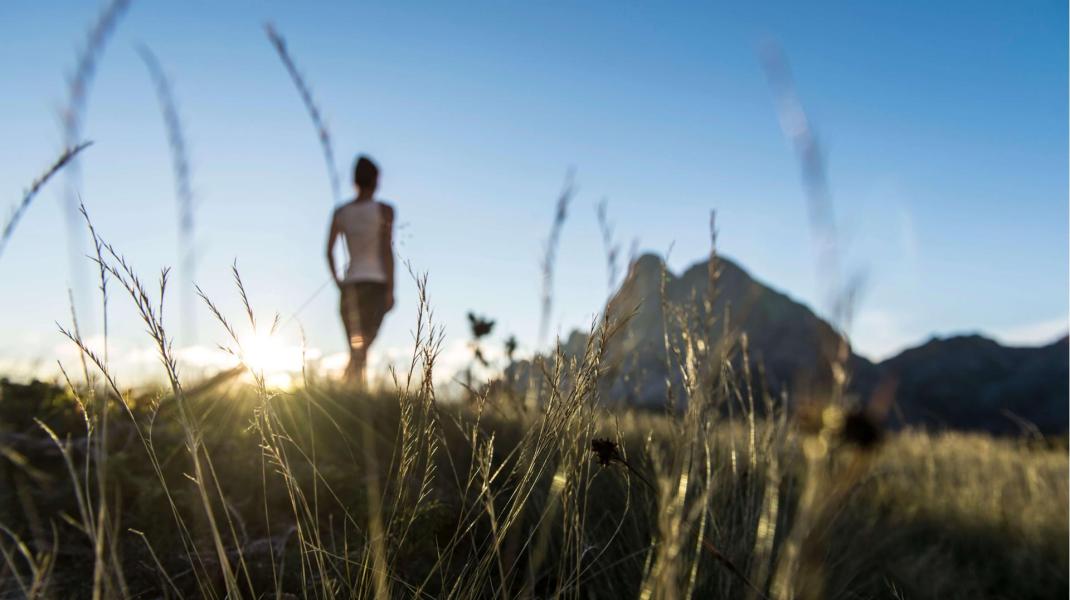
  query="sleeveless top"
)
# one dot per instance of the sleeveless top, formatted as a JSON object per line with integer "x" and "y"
{"x": 362, "y": 225}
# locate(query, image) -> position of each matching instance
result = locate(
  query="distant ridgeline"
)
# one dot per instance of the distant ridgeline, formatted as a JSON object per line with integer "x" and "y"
{"x": 964, "y": 382}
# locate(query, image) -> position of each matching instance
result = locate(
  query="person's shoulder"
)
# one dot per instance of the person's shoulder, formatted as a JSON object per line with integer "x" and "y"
{"x": 387, "y": 208}
{"x": 343, "y": 206}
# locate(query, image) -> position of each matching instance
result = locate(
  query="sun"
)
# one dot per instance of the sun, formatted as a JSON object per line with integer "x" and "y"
{"x": 270, "y": 357}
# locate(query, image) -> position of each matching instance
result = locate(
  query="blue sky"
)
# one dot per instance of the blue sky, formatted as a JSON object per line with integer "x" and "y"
{"x": 945, "y": 126}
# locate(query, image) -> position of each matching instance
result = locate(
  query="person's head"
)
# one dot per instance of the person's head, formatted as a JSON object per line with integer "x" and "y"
{"x": 365, "y": 175}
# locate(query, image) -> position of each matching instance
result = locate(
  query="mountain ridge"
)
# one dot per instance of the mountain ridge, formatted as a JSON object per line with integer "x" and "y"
{"x": 968, "y": 381}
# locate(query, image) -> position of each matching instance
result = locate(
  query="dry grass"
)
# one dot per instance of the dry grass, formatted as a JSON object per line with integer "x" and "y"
{"x": 323, "y": 134}
{"x": 180, "y": 167}
{"x": 31, "y": 192}
{"x": 466, "y": 503}
{"x": 229, "y": 489}
{"x": 79, "y": 82}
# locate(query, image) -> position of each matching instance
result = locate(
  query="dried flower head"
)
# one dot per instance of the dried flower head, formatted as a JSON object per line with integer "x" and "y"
{"x": 861, "y": 429}
{"x": 481, "y": 326}
{"x": 606, "y": 450}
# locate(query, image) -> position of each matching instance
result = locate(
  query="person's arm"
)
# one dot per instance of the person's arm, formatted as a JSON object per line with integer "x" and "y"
{"x": 332, "y": 237}
{"x": 386, "y": 251}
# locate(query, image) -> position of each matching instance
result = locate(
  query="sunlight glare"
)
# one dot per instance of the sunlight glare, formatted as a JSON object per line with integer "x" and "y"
{"x": 270, "y": 357}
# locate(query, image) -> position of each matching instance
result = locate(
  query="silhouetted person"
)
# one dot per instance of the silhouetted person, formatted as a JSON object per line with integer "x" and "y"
{"x": 367, "y": 286}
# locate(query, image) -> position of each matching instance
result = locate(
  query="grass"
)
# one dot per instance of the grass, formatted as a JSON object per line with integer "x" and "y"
{"x": 226, "y": 488}
{"x": 477, "y": 504}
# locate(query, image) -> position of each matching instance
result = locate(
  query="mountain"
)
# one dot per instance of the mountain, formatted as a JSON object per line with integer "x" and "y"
{"x": 972, "y": 382}
{"x": 785, "y": 337}
{"x": 967, "y": 382}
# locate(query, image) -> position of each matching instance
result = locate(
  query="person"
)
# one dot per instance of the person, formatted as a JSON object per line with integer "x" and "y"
{"x": 367, "y": 286}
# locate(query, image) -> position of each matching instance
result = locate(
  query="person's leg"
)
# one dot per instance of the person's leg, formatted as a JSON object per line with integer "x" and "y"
{"x": 372, "y": 303}
{"x": 350, "y": 311}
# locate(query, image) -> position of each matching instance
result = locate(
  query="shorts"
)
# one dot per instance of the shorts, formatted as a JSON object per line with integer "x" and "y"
{"x": 363, "y": 306}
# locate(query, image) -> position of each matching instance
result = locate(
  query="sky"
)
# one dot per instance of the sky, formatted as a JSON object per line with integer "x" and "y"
{"x": 944, "y": 127}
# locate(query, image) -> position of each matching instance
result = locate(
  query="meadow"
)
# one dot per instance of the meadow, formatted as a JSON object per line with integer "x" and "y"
{"x": 225, "y": 487}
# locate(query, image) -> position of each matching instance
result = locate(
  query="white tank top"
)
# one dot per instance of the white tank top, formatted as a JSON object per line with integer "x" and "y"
{"x": 362, "y": 225}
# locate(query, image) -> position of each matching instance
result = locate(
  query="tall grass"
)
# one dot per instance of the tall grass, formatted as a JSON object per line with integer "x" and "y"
{"x": 231, "y": 489}
{"x": 31, "y": 192}
{"x": 609, "y": 246}
{"x": 324, "y": 493}
{"x": 549, "y": 259}
{"x": 323, "y": 134}
{"x": 180, "y": 167}
{"x": 79, "y": 83}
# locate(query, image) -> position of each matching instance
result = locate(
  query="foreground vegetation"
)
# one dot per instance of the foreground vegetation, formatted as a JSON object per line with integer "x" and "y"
{"x": 225, "y": 488}
{"x": 536, "y": 485}
{"x": 234, "y": 490}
